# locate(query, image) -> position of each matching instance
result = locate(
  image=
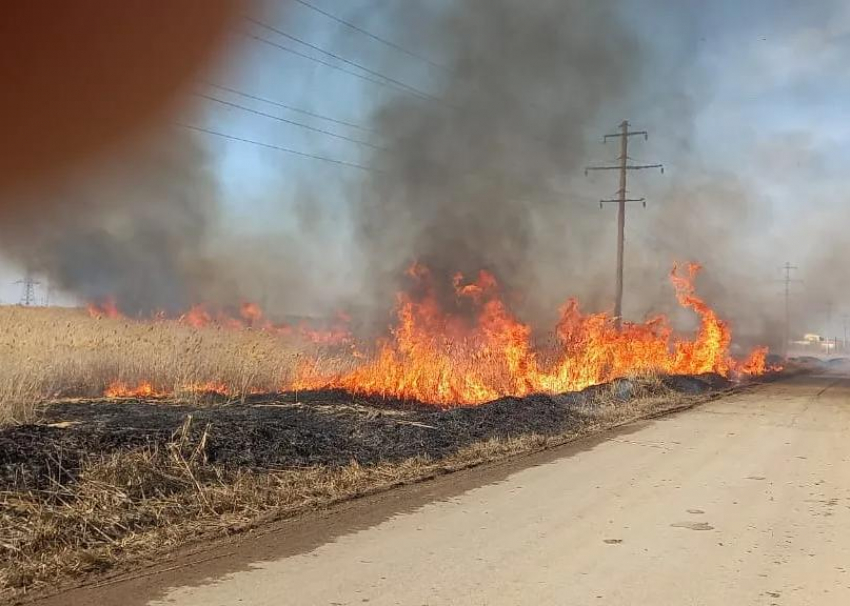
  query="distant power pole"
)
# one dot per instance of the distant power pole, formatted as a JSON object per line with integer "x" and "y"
{"x": 28, "y": 290}
{"x": 844, "y": 318}
{"x": 624, "y": 167}
{"x": 828, "y": 308}
{"x": 788, "y": 268}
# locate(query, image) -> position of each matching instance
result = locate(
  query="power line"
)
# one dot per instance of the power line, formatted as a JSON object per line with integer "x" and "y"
{"x": 389, "y": 43}
{"x": 371, "y": 35}
{"x": 278, "y": 147}
{"x": 287, "y": 121}
{"x": 288, "y": 107}
{"x": 383, "y": 83}
{"x": 411, "y": 89}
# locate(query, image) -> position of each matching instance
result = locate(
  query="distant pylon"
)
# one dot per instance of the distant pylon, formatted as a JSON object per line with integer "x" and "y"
{"x": 28, "y": 289}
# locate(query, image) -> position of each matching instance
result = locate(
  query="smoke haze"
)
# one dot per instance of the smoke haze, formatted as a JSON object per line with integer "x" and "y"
{"x": 481, "y": 168}
{"x": 472, "y": 181}
{"x": 137, "y": 231}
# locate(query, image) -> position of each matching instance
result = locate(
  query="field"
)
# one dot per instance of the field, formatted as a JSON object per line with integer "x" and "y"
{"x": 88, "y": 482}
{"x": 50, "y": 353}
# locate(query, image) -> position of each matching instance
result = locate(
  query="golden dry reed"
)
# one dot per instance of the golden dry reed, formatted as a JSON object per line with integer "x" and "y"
{"x": 50, "y": 353}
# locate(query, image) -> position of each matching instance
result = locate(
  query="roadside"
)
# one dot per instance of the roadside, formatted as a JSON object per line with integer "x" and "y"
{"x": 741, "y": 500}
{"x": 97, "y": 485}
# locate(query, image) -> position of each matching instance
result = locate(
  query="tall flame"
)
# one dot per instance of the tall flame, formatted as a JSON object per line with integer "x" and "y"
{"x": 438, "y": 357}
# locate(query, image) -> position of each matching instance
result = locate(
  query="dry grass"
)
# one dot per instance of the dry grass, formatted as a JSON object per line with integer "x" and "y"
{"x": 134, "y": 504}
{"x": 47, "y": 353}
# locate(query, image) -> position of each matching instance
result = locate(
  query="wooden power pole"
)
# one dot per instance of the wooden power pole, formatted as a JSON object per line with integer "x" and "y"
{"x": 624, "y": 167}
{"x": 787, "y": 280}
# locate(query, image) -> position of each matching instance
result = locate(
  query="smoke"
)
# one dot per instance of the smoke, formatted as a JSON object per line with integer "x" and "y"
{"x": 490, "y": 175}
{"x": 481, "y": 167}
{"x": 816, "y": 242}
{"x": 137, "y": 231}
{"x": 473, "y": 177}
{"x": 717, "y": 220}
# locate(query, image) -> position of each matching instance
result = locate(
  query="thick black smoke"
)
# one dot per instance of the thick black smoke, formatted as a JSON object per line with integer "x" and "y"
{"x": 490, "y": 175}
{"x": 473, "y": 171}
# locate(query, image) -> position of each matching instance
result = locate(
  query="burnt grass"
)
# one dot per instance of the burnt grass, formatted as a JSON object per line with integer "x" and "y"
{"x": 325, "y": 428}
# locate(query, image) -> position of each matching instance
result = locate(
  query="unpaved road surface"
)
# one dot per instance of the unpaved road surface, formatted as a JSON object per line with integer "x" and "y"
{"x": 745, "y": 500}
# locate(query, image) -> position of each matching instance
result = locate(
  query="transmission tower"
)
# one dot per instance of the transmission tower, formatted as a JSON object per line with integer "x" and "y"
{"x": 28, "y": 285}
{"x": 623, "y": 167}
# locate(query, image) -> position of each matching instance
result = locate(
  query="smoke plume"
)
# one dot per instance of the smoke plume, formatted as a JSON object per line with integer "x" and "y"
{"x": 473, "y": 177}
{"x": 137, "y": 231}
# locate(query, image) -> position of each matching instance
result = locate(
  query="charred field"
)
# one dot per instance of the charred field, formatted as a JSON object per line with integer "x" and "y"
{"x": 325, "y": 427}
{"x": 96, "y": 482}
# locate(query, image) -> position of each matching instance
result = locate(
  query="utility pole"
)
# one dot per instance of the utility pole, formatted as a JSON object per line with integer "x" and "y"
{"x": 624, "y": 167}
{"x": 788, "y": 268}
{"x": 28, "y": 291}
{"x": 828, "y": 308}
{"x": 844, "y": 318}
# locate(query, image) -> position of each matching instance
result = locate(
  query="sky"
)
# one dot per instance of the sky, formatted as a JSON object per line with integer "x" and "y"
{"x": 772, "y": 72}
{"x": 763, "y": 84}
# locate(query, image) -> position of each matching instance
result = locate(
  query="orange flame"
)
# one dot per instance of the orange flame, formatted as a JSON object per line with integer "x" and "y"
{"x": 250, "y": 315}
{"x": 197, "y": 317}
{"x": 437, "y": 357}
{"x": 145, "y": 389}
{"x": 104, "y": 309}
{"x": 119, "y": 389}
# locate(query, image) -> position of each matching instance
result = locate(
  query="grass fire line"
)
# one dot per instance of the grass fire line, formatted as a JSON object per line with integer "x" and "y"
{"x": 146, "y": 463}
{"x": 436, "y": 356}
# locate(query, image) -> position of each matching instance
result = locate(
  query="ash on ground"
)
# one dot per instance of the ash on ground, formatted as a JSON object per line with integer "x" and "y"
{"x": 320, "y": 428}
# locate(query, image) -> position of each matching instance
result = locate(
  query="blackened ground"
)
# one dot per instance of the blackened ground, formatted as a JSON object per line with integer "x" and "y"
{"x": 322, "y": 428}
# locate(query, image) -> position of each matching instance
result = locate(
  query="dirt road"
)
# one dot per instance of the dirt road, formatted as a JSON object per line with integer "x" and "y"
{"x": 745, "y": 500}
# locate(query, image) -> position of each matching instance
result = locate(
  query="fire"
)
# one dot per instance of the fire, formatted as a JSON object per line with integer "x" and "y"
{"x": 251, "y": 313}
{"x": 756, "y": 363}
{"x": 250, "y": 316}
{"x": 145, "y": 389}
{"x": 119, "y": 389}
{"x": 337, "y": 333}
{"x": 439, "y": 357}
{"x": 477, "y": 350}
{"x": 197, "y": 317}
{"x": 104, "y": 309}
